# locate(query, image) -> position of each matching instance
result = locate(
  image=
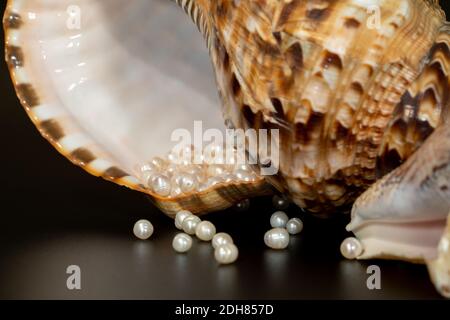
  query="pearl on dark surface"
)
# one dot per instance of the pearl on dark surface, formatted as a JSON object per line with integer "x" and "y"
{"x": 182, "y": 242}
{"x": 277, "y": 238}
{"x": 190, "y": 223}
{"x": 351, "y": 248}
{"x": 205, "y": 231}
{"x": 279, "y": 219}
{"x": 294, "y": 226}
{"x": 220, "y": 239}
{"x": 143, "y": 229}
{"x": 226, "y": 254}
{"x": 179, "y": 218}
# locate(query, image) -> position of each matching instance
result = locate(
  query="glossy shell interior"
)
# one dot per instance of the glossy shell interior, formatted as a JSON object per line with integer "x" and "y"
{"x": 109, "y": 92}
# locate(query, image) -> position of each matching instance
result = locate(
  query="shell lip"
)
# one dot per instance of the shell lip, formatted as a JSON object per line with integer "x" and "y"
{"x": 29, "y": 99}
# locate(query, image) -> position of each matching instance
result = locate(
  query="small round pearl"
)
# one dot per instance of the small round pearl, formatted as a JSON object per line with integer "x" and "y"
{"x": 179, "y": 218}
{"x": 227, "y": 177}
{"x": 158, "y": 163}
{"x": 243, "y": 205}
{"x": 160, "y": 184}
{"x": 205, "y": 231}
{"x": 294, "y": 226}
{"x": 188, "y": 182}
{"x": 280, "y": 202}
{"x": 221, "y": 239}
{"x": 182, "y": 242}
{"x": 190, "y": 223}
{"x": 214, "y": 181}
{"x": 215, "y": 170}
{"x": 277, "y": 238}
{"x": 143, "y": 229}
{"x": 226, "y": 254}
{"x": 171, "y": 169}
{"x": 279, "y": 219}
{"x": 351, "y": 248}
{"x": 244, "y": 175}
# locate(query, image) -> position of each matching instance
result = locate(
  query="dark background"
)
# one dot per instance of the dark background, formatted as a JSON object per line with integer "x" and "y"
{"x": 54, "y": 215}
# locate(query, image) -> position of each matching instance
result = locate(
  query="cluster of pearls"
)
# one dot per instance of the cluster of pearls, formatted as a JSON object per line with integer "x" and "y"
{"x": 143, "y": 229}
{"x": 225, "y": 252}
{"x": 177, "y": 174}
{"x": 282, "y": 228}
{"x": 351, "y": 248}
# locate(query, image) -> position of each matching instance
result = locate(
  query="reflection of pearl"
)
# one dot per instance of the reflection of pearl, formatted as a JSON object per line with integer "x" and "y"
{"x": 277, "y": 238}
{"x": 221, "y": 239}
{"x": 182, "y": 242}
{"x": 143, "y": 229}
{"x": 160, "y": 184}
{"x": 280, "y": 202}
{"x": 294, "y": 226}
{"x": 180, "y": 216}
{"x": 190, "y": 224}
{"x": 205, "y": 231}
{"x": 226, "y": 253}
{"x": 279, "y": 219}
{"x": 351, "y": 248}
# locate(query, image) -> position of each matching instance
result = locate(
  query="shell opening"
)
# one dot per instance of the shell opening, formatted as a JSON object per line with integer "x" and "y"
{"x": 108, "y": 83}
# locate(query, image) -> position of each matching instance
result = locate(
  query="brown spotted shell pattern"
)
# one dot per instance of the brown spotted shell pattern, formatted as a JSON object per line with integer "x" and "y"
{"x": 352, "y": 96}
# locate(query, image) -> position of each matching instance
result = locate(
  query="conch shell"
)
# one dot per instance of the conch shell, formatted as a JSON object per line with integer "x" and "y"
{"x": 358, "y": 90}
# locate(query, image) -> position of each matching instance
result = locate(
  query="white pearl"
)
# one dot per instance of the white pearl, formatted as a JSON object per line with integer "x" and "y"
{"x": 158, "y": 163}
{"x": 227, "y": 177}
{"x": 215, "y": 170}
{"x": 214, "y": 181}
{"x": 244, "y": 175}
{"x": 160, "y": 184}
{"x": 182, "y": 242}
{"x": 213, "y": 153}
{"x": 351, "y": 248}
{"x": 221, "y": 239}
{"x": 243, "y": 205}
{"x": 280, "y": 202}
{"x": 196, "y": 171}
{"x": 143, "y": 229}
{"x": 279, "y": 219}
{"x": 190, "y": 223}
{"x": 294, "y": 226}
{"x": 226, "y": 254}
{"x": 203, "y": 187}
{"x": 171, "y": 169}
{"x": 205, "y": 231}
{"x": 179, "y": 218}
{"x": 175, "y": 192}
{"x": 188, "y": 182}
{"x": 277, "y": 238}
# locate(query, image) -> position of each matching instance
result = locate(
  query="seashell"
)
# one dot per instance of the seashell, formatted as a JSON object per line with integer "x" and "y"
{"x": 93, "y": 92}
{"x": 358, "y": 94}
